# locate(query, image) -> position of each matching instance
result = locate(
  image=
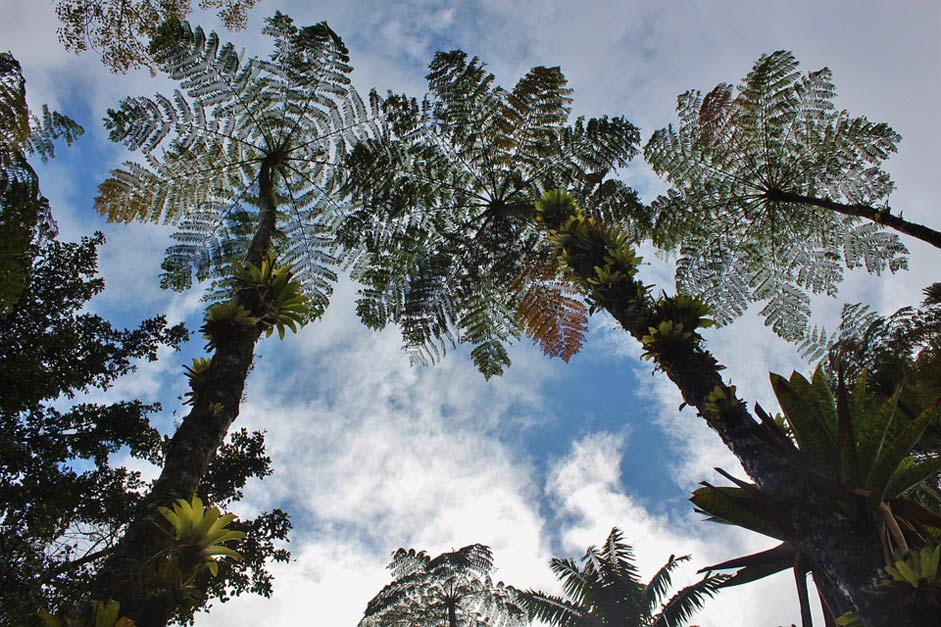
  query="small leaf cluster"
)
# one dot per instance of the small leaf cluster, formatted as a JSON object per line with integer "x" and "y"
{"x": 266, "y": 296}
{"x": 199, "y": 535}
{"x": 98, "y": 614}
{"x": 917, "y": 568}
{"x": 225, "y": 320}
{"x": 196, "y": 374}
{"x": 597, "y": 257}
{"x": 277, "y": 299}
{"x": 679, "y": 318}
{"x": 722, "y": 399}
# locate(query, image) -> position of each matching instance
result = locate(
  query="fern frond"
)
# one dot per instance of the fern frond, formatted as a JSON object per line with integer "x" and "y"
{"x": 293, "y": 115}
{"x": 552, "y": 316}
{"x": 742, "y": 164}
{"x": 445, "y": 199}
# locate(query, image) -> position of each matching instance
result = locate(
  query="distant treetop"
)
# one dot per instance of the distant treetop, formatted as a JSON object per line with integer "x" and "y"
{"x": 119, "y": 30}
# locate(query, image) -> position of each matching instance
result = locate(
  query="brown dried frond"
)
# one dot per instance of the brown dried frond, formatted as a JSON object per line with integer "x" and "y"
{"x": 550, "y": 312}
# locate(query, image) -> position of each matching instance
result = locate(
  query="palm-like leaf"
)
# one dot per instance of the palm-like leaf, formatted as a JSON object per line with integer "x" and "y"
{"x": 453, "y": 253}
{"x": 861, "y": 449}
{"x": 681, "y": 606}
{"x": 426, "y": 591}
{"x": 207, "y": 149}
{"x": 745, "y": 169}
{"x": 607, "y": 590}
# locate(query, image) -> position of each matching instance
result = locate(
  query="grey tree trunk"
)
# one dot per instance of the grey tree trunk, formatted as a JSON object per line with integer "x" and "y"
{"x": 850, "y": 554}
{"x": 128, "y": 575}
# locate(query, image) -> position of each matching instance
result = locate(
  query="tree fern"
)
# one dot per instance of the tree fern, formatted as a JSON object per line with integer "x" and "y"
{"x": 446, "y": 214}
{"x": 206, "y": 147}
{"x": 453, "y": 589}
{"x": 775, "y": 193}
{"x": 242, "y": 158}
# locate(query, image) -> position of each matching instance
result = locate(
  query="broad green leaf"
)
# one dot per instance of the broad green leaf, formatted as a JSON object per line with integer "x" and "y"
{"x": 735, "y": 507}
{"x": 813, "y": 424}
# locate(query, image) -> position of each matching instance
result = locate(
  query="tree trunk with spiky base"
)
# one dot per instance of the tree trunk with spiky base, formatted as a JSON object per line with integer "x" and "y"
{"x": 849, "y": 555}
{"x": 246, "y": 136}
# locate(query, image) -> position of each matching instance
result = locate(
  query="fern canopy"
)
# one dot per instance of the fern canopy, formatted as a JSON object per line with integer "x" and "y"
{"x": 453, "y": 588}
{"x": 234, "y": 127}
{"x": 118, "y": 29}
{"x": 607, "y": 590}
{"x": 446, "y": 210}
{"x": 745, "y": 166}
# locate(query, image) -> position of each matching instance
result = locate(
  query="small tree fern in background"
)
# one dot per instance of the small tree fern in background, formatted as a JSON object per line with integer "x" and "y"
{"x": 242, "y": 159}
{"x": 774, "y": 193}
{"x": 452, "y": 590}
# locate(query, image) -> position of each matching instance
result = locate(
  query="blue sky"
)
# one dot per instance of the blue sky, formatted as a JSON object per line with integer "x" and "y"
{"x": 371, "y": 454}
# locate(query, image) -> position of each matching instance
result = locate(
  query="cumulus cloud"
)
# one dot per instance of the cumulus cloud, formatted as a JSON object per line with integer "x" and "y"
{"x": 372, "y": 454}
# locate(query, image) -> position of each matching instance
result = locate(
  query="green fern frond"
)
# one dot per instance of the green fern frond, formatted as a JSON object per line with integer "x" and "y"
{"x": 445, "y": 202}
{"x": 293, "y": 115}
{"x": 743, "y": 164}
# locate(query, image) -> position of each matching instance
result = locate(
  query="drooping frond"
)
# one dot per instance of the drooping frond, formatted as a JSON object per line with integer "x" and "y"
{"x": 25, "y": 216}
{"x": 445, "y": 209}
{"x": 660, "y": 583}
{"x": 553, "y": 610}
{"x": 551, "y": 314}
{"x": 746, "y": 167}
{"x": 606, "y": 590}
{"x": 293, "y": 115}
{"x": 685, "y": 603}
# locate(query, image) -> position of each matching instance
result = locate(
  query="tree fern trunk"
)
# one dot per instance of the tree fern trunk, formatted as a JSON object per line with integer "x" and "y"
{"x": 878, "y": 216}
{"x": 452, "y": 614}
{"x": 131, "y": 574}
{"x": 851, "y": 556}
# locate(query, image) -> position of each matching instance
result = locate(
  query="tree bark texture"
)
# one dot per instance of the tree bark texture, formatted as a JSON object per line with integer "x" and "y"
{"x": 879, "y": 216}
{"x": 128, "y": 575}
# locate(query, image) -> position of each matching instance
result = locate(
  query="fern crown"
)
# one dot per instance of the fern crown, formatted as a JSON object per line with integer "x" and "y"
{"x": 446, "y": 210}
{"x": 739, "y": 162}
{"x": 205, "y": 147}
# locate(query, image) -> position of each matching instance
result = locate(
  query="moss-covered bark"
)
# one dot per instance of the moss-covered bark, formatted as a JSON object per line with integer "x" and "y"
{"x": 599, "y": 260}
{"x": 131, "y": 574}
